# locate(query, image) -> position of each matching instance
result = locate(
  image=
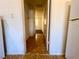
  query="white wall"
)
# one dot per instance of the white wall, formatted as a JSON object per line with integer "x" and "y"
{"x": 26, "y": 7}
{"x": 32, "y": 22}
{"x": 1, "y": 42}
{"x": 39, "y": 19}
{"x": 57, "y": 27}
{"x": 11, "y": 10}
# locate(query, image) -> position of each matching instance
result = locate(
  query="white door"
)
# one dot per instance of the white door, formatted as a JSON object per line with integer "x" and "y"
{"x": 1, "y": 43}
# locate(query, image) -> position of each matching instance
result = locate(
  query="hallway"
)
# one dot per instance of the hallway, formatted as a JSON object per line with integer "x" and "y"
{"x": 37, "y": 43}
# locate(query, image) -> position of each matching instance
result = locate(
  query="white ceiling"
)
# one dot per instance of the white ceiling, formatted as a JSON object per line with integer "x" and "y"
{"x": 38, "y": 3}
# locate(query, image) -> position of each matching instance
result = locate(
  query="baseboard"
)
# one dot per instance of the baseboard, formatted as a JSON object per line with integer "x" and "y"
{"x": 62, "y": 54}
{"x": 22, "y": 53}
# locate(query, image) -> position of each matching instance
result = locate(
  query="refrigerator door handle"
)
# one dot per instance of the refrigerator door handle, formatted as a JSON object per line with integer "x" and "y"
{"x": 74, "y": 19}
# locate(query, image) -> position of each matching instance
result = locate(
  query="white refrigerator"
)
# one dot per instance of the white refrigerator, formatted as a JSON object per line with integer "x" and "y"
{"x": 72, "y": 47}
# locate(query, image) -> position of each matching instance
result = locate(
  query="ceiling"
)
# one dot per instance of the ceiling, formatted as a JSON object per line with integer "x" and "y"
{"x": 37, "y": 3}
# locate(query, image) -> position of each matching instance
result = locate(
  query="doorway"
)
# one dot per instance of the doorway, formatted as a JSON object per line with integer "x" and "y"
{"x": 37, "y": 26}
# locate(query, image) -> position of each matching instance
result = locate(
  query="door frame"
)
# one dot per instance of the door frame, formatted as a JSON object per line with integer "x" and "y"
{"x": 2, "y": 52}
{"x": 23, "y": 22}
{"x": 48, "y": 23}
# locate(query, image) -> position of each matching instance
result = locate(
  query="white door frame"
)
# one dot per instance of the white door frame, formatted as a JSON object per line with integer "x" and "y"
{"x": 23, "y": 21}
{"x": 2, "y": 53}
{"x": 48, "y": 25}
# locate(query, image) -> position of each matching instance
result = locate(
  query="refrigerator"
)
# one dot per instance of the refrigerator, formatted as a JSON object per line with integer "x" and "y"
{"x": 72, "y": 47}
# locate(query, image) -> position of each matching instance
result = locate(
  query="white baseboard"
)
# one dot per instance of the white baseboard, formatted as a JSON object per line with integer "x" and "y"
{"x": 20, "y": 53}
{"x": 56, "y": 53}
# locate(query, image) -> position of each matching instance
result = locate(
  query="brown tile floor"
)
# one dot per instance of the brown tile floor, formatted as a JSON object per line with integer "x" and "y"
{"x": 36, "y": 49}
{"x": 32, "y": 56}
{"x": 36, "y": 44}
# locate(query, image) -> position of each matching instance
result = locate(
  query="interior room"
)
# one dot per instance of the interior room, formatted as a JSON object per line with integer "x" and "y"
{"x": 39, "y": 29}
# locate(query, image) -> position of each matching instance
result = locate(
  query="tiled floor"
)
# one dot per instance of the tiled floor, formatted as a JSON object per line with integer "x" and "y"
{"x": 32, "y": 56}
{"x": 36, "y": 49}
{"x": 36, "y": 44}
